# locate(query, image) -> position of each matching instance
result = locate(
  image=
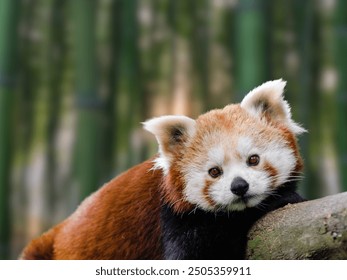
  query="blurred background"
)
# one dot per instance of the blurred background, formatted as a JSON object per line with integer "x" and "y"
{"x": 77, "y": 77}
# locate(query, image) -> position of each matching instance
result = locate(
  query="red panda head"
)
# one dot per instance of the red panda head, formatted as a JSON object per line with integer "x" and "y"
{"x": 231, "y": 158}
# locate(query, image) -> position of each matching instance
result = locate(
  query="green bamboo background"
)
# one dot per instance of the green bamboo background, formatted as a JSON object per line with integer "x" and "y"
{"x": 77, "y": 77}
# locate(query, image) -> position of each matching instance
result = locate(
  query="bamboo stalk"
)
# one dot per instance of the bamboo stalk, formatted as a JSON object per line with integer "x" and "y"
{"x": 56, "y": 64}
{"x": 26, "y": 101}
{"x": 251, "y": 67}
{"x": 8, "y": 34}
{"x": 308, "y": 104}
{"x": 111, "y": 84}
{"x": 341, "y": 96}
{"x": 87, "y": 160}
{"x": 200, "y": 51}
{"x": 130, "y": 83}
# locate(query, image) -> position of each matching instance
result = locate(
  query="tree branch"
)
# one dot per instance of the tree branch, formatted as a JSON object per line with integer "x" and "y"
{"x": 314, "y": 229}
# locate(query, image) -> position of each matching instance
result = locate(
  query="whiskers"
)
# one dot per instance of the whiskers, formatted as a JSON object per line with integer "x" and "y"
{"x": 293, "y": 177}
{"x": 263, "y": 205}
{"x": 214, "y": 202}
{"x": 194, "y": 210}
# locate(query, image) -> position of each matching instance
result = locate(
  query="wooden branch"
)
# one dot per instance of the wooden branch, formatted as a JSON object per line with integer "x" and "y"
{"x": 314, "y": 229}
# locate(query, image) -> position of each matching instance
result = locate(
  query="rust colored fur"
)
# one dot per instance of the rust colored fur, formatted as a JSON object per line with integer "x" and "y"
{"x": 123, "y": 210}
{"x": 171, "y": 206}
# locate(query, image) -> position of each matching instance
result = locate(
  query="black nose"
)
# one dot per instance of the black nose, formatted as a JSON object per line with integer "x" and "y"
{"x": 239, "y": 186}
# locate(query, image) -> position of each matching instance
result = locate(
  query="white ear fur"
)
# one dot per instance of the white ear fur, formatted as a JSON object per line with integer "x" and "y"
{"x": 268, "y": 99}
{"x": 171, "y": 132}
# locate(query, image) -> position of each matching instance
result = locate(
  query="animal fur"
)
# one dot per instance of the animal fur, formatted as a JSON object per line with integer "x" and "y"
{"x": 186, "y": 202}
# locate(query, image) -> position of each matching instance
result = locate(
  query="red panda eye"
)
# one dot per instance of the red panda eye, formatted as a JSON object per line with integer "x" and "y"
{"x": 253, "y": 160}
{"x": 215, "y": 172}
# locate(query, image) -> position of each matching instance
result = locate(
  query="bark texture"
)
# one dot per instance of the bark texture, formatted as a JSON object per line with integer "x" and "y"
{"x": 314, "y": 229}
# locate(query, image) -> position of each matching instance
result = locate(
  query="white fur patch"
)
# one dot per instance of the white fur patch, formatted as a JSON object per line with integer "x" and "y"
{"x": 271, "y": 89}
{"x": 163, "y": 163}
{"x": 193, "y": 191}
{"x": 216, "y": 156}
{"x": 258, "y": 183}
{"x": 246, "y": 147}
{"x": 275, "y": 153}
{"x": 159, "y": 127}
{"x": 271, "y": 92}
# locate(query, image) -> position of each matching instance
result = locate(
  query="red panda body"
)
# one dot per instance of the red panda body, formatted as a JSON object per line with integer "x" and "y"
{"x": 119, "y": 221}
{"x": 197, "y": 199}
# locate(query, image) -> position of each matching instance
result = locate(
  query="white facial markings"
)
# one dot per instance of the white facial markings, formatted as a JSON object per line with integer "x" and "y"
{"x": 216, "y": 156}
{"x": 275, "y": 153}
{"x": 194, "y": 191}
{"x": 246, "y": 147}
{"x": 283, "y": 159}
{"x": 258, "y": 185}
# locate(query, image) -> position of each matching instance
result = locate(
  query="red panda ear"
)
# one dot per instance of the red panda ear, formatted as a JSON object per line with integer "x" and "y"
{"x": 267, "y": 101}
{"x": 172, "y": 133}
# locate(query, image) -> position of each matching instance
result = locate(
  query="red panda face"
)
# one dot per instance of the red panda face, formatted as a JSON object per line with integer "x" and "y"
{"x": 236, "y": 160}
{"x": 231, "y": 158}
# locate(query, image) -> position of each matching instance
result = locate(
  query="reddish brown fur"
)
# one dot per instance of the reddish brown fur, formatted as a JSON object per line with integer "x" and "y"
{"x": 41, "y": 248}
{"x": 206, "y": 192}
{"x": 122, "y": 219}
{"x": 272, "y": 172}
{"x": 293, "y": 144}
{"x": 234, "y": 118}
{"x": 123, "y": 211}
{"x": 172, "y": 191}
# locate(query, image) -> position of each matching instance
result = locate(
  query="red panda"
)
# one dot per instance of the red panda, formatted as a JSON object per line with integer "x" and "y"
{"x": 211, "y": 180}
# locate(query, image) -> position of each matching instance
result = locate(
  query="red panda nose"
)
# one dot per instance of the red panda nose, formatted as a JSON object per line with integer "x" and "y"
{"x": 239, "y": 186}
